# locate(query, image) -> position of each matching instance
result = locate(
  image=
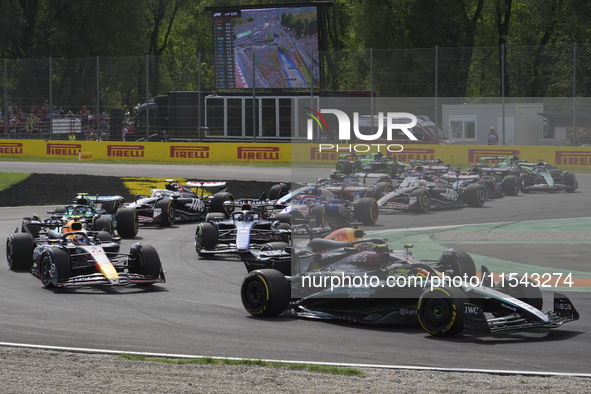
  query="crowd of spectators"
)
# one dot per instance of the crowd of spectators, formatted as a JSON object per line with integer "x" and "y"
{"x": 37, "y": 120}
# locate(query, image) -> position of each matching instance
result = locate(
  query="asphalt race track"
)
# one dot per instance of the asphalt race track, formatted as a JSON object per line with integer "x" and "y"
{"x": 199, "y": 312}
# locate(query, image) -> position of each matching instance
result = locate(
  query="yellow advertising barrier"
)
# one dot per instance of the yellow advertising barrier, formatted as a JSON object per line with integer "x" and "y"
{"x": 568, "y": 157}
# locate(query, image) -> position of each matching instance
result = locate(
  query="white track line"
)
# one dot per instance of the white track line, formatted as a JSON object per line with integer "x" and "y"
{"x": 346, "y": 365}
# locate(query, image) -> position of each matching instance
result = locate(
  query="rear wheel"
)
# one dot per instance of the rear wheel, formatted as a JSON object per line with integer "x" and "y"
{"x": 440, "y": 311}
{"x": 127, "y": 222}
{"x": 19, "y": 251}
{"x": 423, "y": 199}
{"x": 457, "y": 263}
{"x": 265, "y": 293}
{"x": 206, "y": 237}
{"x": 145, "y": 261}
{"x": 385, "y": 187}
{"x": 367, "y": 211}
{"x": 475, "y": 195}
{"x": 218, "y": 200}
{"x": 317, "y": 216}
{"x": 54, "y": 267}
{"x": 167, "y": 212}
{"x": 392, "y": 170}
{"x": 278, "y": 191}
{"x": 102, "y": 223}
{"x": 344, "y": 167}
{"x": 511, "y": 185}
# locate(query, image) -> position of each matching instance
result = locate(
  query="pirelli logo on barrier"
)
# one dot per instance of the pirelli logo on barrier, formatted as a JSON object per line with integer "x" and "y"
{"x": 57, "y": 149}
{"x": 11, "y": 148}
{"x": 125, "y": 150}
{"x": 258, "y": 153}
{"x": 330, "y": 154}
{"x": 413, "y": 154}
{"x": 474, "y": 155}
{"x": 189, "y": 152}
{"x": 573, "y": 158}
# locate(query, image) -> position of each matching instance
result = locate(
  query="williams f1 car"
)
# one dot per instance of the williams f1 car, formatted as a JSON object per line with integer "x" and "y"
{"x": 243, "y": 230}
{"x": 78, "y": 257}
{"x": 329, "y": 280}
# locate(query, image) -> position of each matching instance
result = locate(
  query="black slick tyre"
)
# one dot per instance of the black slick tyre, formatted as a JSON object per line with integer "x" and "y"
{"x": 19, "y": 251}
{"x": 167, "y": 212}
{"x": 102, "y": 223}
{"x": 278, "y": 191}
{"x": 265, "y": 293}
{"x": 440, "y": 311}
{"x": 475, "y": 196}
{"x": 524, "y": 182}
{"x": 54, "y": 267}
{"x": 218, "y": 200}
{"x": 522, "y": 288}
{"x": 392, "y": 170}
{"x": 457, "y": 263}
{"x": 344, "y": 167}
{"x": 367, "y": 211}
{"x": 145, "y": 261}
{"x": 423, "y": 200}
{"x": 511, "y": 185}
{"x": 570, "y": 180}
{"x": 206, "y": 237}
{"x": 127, "y": 222}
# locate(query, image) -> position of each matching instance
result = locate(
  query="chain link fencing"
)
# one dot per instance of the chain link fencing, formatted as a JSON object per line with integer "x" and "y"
{"x": 105, "y": 98}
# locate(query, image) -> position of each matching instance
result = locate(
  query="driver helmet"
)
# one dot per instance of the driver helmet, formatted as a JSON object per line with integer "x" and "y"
{"x": 80, "y": 210}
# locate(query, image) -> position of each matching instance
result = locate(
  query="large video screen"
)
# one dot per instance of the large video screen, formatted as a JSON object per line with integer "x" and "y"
{"x": 281, "y": 43}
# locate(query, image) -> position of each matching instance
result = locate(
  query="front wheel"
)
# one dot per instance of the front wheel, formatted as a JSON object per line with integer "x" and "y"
{"x": 54, "y": 267}
{"x": 570, "y": 180}
{"x": 440, "y": 311}
{"x": 265, "y": 292}
{"x": 206, "y": 237}
{"x": 524, "y": 182}
{"x": 145, "y": 261}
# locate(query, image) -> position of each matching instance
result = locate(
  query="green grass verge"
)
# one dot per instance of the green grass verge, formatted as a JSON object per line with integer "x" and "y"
{"x": 326, "y": 369}
{"x": 8, "y": 179}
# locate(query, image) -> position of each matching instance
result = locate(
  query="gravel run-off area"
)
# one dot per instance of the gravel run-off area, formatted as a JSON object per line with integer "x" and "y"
{"x": 25, "y": 370}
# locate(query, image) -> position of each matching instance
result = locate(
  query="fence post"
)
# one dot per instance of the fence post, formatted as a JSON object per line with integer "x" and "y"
{"x": 49, "y": 111}
{"x": 254, "y": 122}
{"x": 436, "y": 93}
{"x": 371, "y": 87}
{"x": 575, "y": 94}
{"x": 147, "y": 98}
{"x": 6, "y": 97}
{"x": 199, "y": 95}
{"x": 98, "y": 100}
{"x": 503, "y": 90}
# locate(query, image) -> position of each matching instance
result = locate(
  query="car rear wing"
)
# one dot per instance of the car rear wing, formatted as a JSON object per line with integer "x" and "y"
{"x": 98, "y": 199}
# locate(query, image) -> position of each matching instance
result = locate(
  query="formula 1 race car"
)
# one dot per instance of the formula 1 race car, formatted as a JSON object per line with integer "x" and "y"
{"x": 181, "y": 203}
{"x": 419, "y": 195}
{"x": 329, "y": 280}
{"x": 97, "y": 213}
{"x": 541, "y": 176}
{"x": 320, "y": 204}
{"x": 243, "y": 230}
{"x": 373, "y": 162}
{"x": 78, "y": 257}
{"x": 496, "y": 183}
